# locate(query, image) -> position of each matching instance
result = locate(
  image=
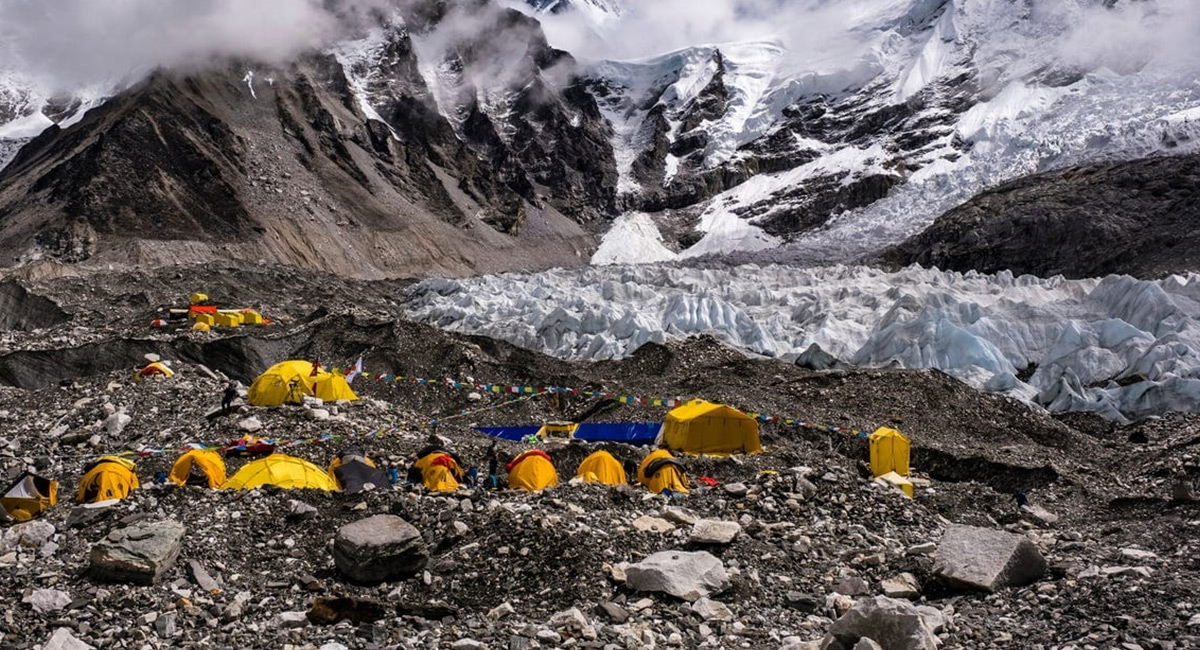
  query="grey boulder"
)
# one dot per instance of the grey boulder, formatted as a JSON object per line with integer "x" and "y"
{"x": 892, "y": 624}
{"x": 378, "y": 549}
{"x": 137, "y": 554}
{"x": 62, "y": 639}
{"x": 711, "y": 531}
{"x": 690, "y": 576}
{"x": 973, "y": 558}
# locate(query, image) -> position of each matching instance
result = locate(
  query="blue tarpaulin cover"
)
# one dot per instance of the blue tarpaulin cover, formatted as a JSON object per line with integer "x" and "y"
{"x": 634, "y": 433}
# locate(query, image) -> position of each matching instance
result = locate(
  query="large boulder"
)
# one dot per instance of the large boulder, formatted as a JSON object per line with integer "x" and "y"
{"x": 893, "y": 624}
{"x": 378, "y": 549}
{"x": 974, "y": 558}
{"x": 690, "y": 576}
{"x": 137, "y": 554}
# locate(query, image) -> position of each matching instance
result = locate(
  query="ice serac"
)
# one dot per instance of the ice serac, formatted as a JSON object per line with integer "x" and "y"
{"x": 1121, "y": 347}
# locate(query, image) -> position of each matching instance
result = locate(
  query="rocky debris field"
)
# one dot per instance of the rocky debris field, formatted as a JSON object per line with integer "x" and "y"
{"x": 794, "y": 548}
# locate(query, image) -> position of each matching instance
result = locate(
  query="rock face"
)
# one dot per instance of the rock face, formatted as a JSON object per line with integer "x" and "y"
{"x": 969, "y": 557}
{"x": 689, "y": 576}
{"x": 137, "y": 554}
{"x": 379, "y": 548}
{"x": 893, "y": 624}
{"x": 1134, "y": 217}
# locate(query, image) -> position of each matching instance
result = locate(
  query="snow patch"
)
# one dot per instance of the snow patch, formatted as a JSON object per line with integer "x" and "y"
{"x": 632, "y": 239}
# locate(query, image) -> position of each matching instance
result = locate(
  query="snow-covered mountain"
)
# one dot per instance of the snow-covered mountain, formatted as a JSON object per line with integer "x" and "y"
{"x": 1120, "y": 347}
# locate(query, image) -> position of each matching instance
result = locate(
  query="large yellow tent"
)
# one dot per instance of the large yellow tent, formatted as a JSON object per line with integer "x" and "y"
{"x": 701, "y": 427}
{"x": 29, "y": 496}
{"x": 889, "y": 452}
{"x": 202, "y": 467}
{"x": 288, "y": 382}
{"x": 108, "y": 478}
{"x": 283, "y": 471}
{"x": 601, "y": 467}
{"x": 532, "y": 471}
{"x": 660, "y": 471}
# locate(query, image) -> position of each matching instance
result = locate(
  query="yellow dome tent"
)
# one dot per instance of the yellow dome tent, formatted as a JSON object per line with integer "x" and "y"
{"x": 439, "y": 471}
{"x": 601, "y": 467}
{"x": 283, "y": 471}
{"x": 701, "y": 427}
{"x": 29, "y": 496}
{"x": 288, "y": 382}
{"x": 532, "y": 471}
{"x": 660, "y": 471}
{"x": 108, "y": 478}
{"x": 889, "y": 452}
{"x": 199, "y": 467}
{"x": 156, "y": 369}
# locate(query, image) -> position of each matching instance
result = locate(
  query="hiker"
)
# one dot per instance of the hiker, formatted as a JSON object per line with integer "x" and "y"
{"x": 1021, "y": 498}
{"x": 492, "y": 481}
{"x": 230, "y": 394}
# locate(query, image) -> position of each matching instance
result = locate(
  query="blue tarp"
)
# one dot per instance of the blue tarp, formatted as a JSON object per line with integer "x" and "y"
{"x": 515, "y": 434}
{"x": 634, "y": 433}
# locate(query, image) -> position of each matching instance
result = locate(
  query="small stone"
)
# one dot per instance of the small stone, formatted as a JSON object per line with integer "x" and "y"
{"x": 62, "y": 639}
{"x": 904, "y": 585}
{"x": 250, "y": 425}
{"x": 711, "y": 610}
{"x": 500, "y": 611}
{"x": 47, "y": 600}
{"x": 468, "y": 644}
{"x": 736, "y": 490}
{"x": 202, "y": 578}
{"x": 714, "y": 532}
{"x": 648, "y": 524}
{"x": 927, "y": 548}
{"x": 852, "y": 586}
{"x": 614, "y": 612}
{"x": 893, "y": 624}
{"x": 1138, "y": 554}
{"x": 167, "y": 625}
{"x": 290, "y": 620}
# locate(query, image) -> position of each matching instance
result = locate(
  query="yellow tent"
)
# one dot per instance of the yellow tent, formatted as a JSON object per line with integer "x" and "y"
{"x": 283, "y": 471}
{"x": 531, "y": 471}
{"x": 288, "y": 381}
{"x": 199, "y": 467}
{"x": 155, "y": 369}
{"x": 601, "y": 467}
{"x": 202, "y": 327}
{"x": 439, "y": 471}
{"x": 198, "y": 298}
{"x": 29, "y": 496}
{"x": 701, "y": 427}
{"x": 223, "y": 319}
{"x": 251, "y": 317}
{"x": 107, "y": 478}
{"x": 205, "y": 319}
{"x": 898, "y": 481}
{"x": 660, "y": 471}
{"x": 889, "y": 452}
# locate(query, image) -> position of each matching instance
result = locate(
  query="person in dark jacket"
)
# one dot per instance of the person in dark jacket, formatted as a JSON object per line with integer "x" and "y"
{"x": 230, "y": 394}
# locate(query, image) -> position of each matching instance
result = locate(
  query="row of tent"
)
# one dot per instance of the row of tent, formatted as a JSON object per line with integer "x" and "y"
{"x": 113, "y": 478}
{"x": 695, "y": 428}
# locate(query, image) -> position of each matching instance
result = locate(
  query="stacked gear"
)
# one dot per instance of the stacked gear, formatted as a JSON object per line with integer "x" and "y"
{"x": 531, "y": 471}
{"x": 200, "y": 467}
{"x": 109, "y": 477}
{"x": 601, "y": 467}
{"x": 660, "y": 472}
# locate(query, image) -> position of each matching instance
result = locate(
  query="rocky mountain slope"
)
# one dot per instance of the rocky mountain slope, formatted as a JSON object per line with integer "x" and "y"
{"x": 813, "y": 537}
{"x": 1137, "y": 217}
{"x": 452, "y": 137}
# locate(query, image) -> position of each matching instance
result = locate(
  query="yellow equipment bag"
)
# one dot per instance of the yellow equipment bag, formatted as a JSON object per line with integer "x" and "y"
{"x": 898, "y": 481}
{"x": 199, "y": 467}
{"x": 108, "y": 478}
{"x": 660, "y": 471}
{"x": 700, "y": 427}
{"x": 889, "y": 452}
{"x": 532, "y": 471}
{"x": 29, "y": 496}
{"x": 283, "y": 471}
{"x": 601, "y": 467}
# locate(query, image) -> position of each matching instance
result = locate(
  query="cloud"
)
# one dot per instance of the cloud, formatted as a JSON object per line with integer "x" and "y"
{"x": 66, "y": 44}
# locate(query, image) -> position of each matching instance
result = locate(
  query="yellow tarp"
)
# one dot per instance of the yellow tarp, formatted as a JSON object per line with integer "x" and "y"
{"x": 700, "y": 427}
{"x": 889, "y": 452}
{"x": 29, "y": 496}
{"x": 206, "y": 462}
{"x": 202, "y": 327}
{"x": 109, "y": 478}
{"x": 443, "y": 475}
{"x": 282, "y": 471}
{"x": 601, "y": 467}
{"x": 288, "y": 381}
{"x": 898, "y": 481}
{"x": 532, "y": 472}
{"x": 669, "y": 476}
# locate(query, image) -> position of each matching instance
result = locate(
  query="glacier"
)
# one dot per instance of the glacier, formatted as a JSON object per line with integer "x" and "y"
{"x": 1117, "y": 346}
